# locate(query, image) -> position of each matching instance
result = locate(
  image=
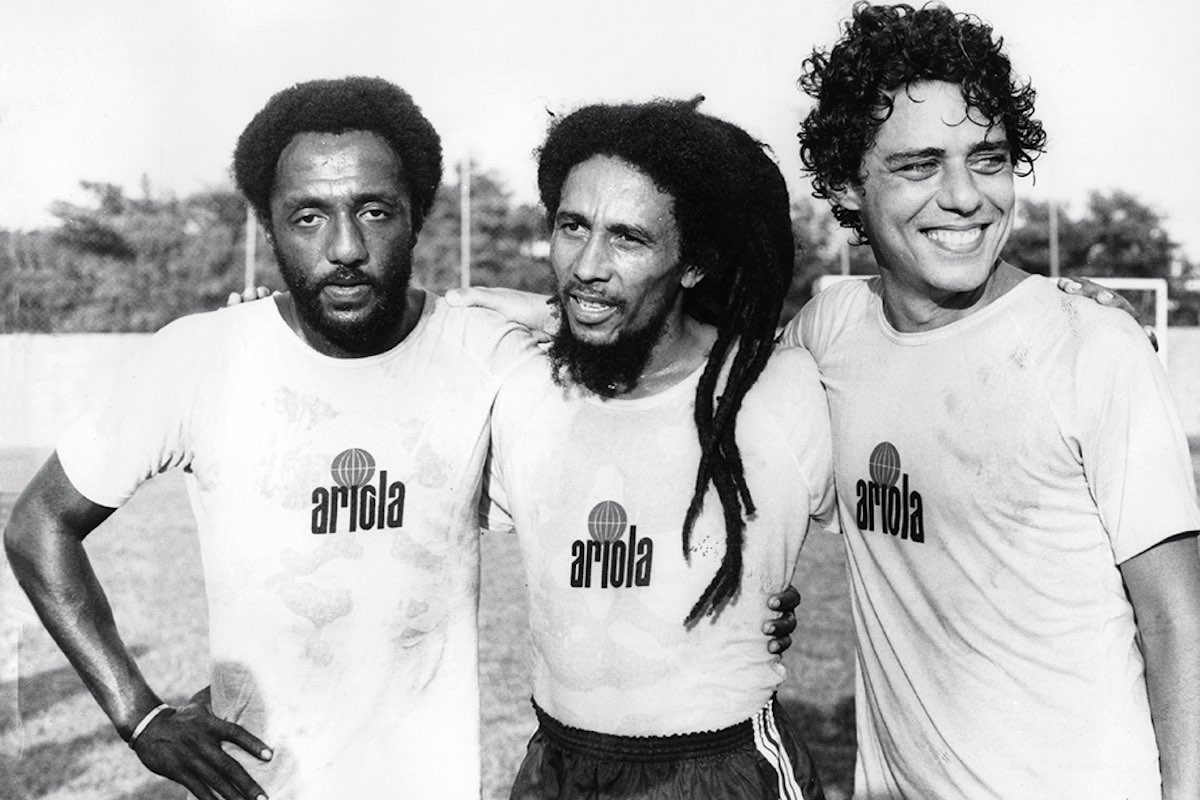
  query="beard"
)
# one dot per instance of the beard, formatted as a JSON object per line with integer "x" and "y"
{"x": 608, "y": 369}
{"x": 364, "y": 331}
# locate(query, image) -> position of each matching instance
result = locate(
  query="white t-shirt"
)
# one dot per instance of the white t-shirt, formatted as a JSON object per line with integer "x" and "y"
{"x": 336, "y": 503}
{"x": 598, "y": 491}
{"x": 992, "y": 474}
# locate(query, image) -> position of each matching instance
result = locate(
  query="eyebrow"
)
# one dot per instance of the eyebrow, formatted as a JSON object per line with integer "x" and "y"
{"x": 636, "y": 231}
{"x": 986, "y": 146}
{"x": 619, "y": 228}
{"x": 307, "y": 199}
{"x": 990, "y": 146}
{"x": 568, "y": 216}
{"x": 913, "y": 155}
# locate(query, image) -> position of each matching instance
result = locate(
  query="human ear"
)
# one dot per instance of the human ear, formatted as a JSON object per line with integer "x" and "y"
{"x": 691, "y": 276}
{"x": 850, "y": 196}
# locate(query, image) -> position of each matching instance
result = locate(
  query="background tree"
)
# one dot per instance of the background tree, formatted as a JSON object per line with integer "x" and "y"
{"x": 121, "y": 263}
{"x": 508, "y": 242}
{"x": 819, "y": 244}
{"x": 1116, "y": 236}
{"x": 128, "y": 264}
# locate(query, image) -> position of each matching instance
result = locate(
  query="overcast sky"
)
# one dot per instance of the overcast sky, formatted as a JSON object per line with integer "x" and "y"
{"x": 111, "y": 91}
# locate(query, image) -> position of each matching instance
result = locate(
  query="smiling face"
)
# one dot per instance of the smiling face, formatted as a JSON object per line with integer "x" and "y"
{"x": 342, "y": 233}
{"x": 936, "y": 200}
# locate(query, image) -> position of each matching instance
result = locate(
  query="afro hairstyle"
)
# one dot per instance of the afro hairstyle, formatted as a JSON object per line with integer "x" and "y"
{"x": 338, "y": 106}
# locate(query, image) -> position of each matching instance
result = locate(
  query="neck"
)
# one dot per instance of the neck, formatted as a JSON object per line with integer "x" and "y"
{"x": 912, "y": 309}
{"x": 680, "y": 351}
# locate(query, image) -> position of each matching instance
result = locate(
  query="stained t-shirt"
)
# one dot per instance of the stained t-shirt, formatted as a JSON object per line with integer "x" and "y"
{"x": 336, "y": 503}
{"x": 991, "y": 475}
{"x": 598, "y": 490}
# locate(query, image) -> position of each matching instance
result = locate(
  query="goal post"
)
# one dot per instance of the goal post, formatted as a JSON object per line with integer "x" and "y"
{"x": 1149, "y": 298}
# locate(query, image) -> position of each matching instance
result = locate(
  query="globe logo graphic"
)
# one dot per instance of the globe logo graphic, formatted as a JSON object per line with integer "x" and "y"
{"x": 353, "y": 467}
{"x": 606, "y": 522}
{"x": 885, "y": 464}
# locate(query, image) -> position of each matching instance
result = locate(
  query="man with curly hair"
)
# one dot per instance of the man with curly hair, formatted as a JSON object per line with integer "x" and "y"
{"x": 334, "y": 441}
{"x": 663, "y": 466}
{"x": 1013, "y": 482}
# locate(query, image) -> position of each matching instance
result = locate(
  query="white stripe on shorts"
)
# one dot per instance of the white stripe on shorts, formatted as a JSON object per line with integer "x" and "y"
{"x": 770, "y": 746}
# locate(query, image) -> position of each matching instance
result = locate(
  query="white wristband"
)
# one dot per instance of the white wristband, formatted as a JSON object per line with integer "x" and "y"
{"x": 141, "y": 726}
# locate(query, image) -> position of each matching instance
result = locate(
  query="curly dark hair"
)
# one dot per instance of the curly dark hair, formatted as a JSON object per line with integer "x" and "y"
{"x": 889, "y": 46}
{"x": 731, "y": 206}
{"x": 337, "y": 106}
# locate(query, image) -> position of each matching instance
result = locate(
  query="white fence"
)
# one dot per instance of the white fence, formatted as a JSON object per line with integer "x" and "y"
{"x": 47, "y": 380}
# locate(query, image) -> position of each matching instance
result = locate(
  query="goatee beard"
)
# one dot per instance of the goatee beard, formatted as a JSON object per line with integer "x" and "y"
{"x": 606, "y": 370}
{"x": 365, "y": 333}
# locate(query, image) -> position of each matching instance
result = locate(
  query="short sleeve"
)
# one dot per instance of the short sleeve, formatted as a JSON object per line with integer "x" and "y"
{"x": 494, "y": 514}
{"x": 828, "y": 314}
{"x": 140, "y": 429}
{"x": 799, "y": 403}
{"x": 815, "y": 448}
{"x": 1134, "y": 451}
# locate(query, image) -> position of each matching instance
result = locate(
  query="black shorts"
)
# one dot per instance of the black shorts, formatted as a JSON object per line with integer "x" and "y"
{"x": 759, "y": 759}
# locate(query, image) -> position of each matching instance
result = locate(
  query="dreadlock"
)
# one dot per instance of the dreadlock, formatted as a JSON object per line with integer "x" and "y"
{"x": 731, "y": 207}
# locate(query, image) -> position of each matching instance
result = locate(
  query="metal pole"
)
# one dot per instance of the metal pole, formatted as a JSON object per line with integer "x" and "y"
{"x": 464, "y": 213}
{"x": 251, "y": 266}
{"x": 1052, "y": 207}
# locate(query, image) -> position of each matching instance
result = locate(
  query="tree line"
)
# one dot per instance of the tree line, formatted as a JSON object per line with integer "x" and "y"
{"x": 121, "y": 263}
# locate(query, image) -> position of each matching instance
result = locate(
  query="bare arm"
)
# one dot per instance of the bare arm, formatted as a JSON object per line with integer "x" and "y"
{"x": 44, "y": 540}
{"x": 1164, "y": 588}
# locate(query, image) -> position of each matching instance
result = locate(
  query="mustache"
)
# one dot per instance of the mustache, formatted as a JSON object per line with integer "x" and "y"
{"x": 346, "y": 277}
{"x": 578, "y": 288}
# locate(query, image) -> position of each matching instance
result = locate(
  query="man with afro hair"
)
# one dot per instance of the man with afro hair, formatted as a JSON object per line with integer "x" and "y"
{"x": 1014, "y": 486}
{"x": 663, "y": 465}
{"x": 333, "y": 441}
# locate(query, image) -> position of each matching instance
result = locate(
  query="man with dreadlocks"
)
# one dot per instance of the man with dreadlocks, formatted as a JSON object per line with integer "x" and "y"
{"x": 663, "y": 468}
{"x": 1015, "y": 489}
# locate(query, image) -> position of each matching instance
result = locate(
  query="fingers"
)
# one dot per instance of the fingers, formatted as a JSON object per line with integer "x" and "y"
{"x": 1087, "y": 287}
{"x": 185, "y": 745}
{"x": 787, "y": 600}
{"x": 781, "y": 626}
{"x": 459, "y": 297}
{"x": 777, "y": 646}
{"x": 247, "y": 295}
{"x": 245, "y": 740}
{"x": 1105, "y": 297}
{"x": 1151, "y": 335}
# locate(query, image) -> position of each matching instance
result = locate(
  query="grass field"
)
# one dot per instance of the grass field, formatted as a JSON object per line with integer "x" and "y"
{"x": 55, "y": 743}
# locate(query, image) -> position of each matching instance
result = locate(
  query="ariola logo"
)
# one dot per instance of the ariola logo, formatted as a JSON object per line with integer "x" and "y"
{"x": 896, "y": 509}
{"x": 355, "y": 501}
{"x": 605, "y": 558}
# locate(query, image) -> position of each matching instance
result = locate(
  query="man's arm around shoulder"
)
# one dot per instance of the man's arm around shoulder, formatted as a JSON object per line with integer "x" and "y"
{"x": 1164, "y": 588}
{"x": 44, "y": 541}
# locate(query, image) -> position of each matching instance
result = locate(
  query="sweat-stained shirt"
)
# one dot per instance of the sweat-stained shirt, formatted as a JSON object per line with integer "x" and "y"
{"x": 336, "y": 504}
{"x": 992, "y": 474}
{"x": 598, "y": 491}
